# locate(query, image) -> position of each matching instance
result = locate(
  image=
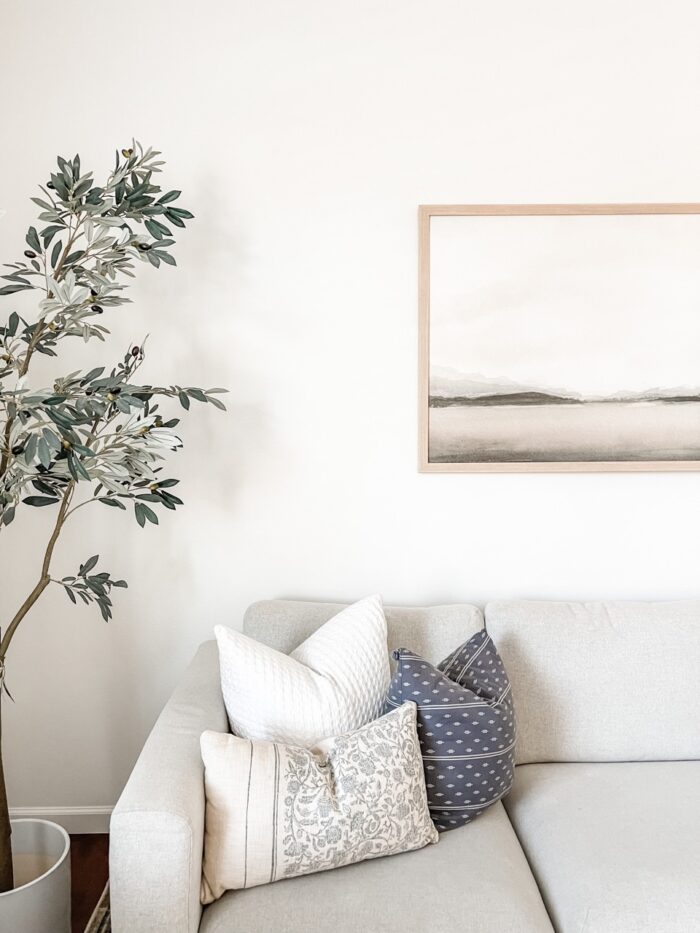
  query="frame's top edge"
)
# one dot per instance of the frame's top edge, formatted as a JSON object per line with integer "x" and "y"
{"x": 465, "y": 210}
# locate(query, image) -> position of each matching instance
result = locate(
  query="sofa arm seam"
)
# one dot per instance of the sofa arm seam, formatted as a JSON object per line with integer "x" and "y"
{"x": 145, "y": 811}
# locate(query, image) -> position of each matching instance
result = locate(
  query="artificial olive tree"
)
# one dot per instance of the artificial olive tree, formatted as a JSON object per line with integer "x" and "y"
{"x": 95, "y": 438}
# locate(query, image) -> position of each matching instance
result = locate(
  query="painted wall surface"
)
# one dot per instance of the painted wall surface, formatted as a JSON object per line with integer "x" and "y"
{"x": 304, "y": 136}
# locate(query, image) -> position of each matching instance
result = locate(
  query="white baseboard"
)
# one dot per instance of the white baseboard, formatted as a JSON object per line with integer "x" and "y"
{"x": 72, "y": 819}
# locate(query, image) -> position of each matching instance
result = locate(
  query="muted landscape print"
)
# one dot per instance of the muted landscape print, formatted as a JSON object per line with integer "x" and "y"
{"x": 474, "y": 419}
{"x": 566, "y": 338}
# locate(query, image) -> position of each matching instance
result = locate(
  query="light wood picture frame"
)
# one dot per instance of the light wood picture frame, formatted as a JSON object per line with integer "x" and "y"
{"x": 559, "y": 337}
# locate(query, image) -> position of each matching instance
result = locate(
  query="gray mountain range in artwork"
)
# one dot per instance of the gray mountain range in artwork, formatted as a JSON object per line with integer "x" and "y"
{"x": 451, "y": 387}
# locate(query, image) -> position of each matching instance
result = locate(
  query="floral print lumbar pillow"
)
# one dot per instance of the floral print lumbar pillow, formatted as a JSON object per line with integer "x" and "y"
{"x": 353, "y": 797}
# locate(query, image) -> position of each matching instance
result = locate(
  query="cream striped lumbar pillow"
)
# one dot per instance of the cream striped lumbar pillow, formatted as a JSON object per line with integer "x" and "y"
{"x": 274, "y": 811}
{"x": 332, "y": 683}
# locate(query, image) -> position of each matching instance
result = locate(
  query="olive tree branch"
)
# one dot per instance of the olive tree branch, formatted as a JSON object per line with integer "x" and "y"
{"x": 44, "y": 578}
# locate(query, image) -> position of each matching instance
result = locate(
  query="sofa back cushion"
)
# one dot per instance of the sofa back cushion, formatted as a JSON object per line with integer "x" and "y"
{"x": 433, "y": 632}
{"x": 602, "y": 681}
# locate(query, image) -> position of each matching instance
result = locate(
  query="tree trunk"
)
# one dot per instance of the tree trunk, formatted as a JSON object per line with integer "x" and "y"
{"x": 6, "y": 879}
{"x": 6, "y": 874}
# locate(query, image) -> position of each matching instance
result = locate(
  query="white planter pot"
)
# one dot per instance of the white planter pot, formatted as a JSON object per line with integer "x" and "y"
{"x": 40, "y": 900}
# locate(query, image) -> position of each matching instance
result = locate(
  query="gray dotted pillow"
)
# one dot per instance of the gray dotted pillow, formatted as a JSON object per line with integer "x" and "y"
{"x": 466, "y": 727}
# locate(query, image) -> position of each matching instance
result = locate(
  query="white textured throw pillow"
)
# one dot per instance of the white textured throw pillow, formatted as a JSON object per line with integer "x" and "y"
{"x": 275, "y": 811}
{"x": 332, "y": 683}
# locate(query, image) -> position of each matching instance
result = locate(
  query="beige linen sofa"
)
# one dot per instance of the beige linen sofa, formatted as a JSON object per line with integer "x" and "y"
{"x": 601, "y": 833}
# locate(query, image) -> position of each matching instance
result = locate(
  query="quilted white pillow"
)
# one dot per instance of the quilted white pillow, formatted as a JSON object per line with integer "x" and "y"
{"x": 332, "y": 683}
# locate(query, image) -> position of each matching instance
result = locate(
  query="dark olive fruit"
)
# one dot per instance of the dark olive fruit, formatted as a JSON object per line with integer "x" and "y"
{"x": 135, "y": 351}
{"x": 116, "y": 390}
{"x": 88, "y": 391}
{"x": 50, "y": 185}
{"x": 30, "y": 254}
{"x": 97, "y": 309}
{"x": 94, "y": 292}
{"x": 144, "y": 247}
{"x": 17, "y": 449}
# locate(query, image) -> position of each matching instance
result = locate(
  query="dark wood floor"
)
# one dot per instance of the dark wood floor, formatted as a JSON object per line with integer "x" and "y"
{"x": 89, "y": 860}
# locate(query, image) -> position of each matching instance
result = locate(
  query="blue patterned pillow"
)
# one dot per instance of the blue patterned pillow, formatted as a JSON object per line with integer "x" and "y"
{"x": 466, "y": 727}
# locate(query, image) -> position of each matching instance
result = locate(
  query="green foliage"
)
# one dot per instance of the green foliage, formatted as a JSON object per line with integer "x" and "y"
{"x": 91, "y": 239}
{"x": 92, "y": 588}
{"x": 100, "y": 433}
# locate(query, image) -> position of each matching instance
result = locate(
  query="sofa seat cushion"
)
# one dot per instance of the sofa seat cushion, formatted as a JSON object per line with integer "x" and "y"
{"x": 614, "y": 846}
{"x": 477, "y": 873}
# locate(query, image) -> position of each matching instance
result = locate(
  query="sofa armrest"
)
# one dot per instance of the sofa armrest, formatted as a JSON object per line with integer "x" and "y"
{"x": 157, "y": 828}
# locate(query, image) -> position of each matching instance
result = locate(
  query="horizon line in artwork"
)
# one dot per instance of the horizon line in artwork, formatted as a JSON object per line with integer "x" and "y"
{"x": 450, "y": 387}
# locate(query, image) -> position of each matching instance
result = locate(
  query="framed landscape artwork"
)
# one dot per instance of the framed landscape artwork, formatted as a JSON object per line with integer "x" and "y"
{"x": 559, "y": 337}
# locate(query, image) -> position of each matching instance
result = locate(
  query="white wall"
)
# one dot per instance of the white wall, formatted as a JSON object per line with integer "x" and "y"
{"x": 304, "y": 135}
